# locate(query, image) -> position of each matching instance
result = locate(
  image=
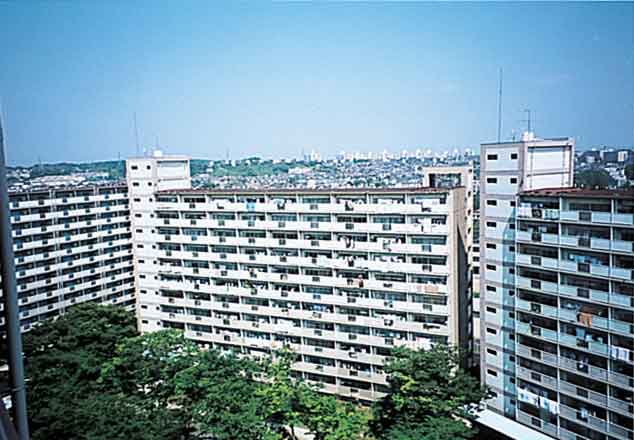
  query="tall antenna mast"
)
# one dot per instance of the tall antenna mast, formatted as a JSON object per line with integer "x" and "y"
{"x": 136, "y": 135}
{"x": 500, "y": 109}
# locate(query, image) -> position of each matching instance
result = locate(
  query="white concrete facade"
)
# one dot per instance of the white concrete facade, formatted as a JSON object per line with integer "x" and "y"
{"x": 341, "y": 276}
{"x": 71, "y": 245}
{"x": 505, "y": 170}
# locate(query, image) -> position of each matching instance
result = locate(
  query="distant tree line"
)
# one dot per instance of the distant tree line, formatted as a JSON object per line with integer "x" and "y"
{"x": 90, "y": 375}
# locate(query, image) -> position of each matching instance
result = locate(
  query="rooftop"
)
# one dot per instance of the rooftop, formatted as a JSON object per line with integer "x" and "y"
{"x": 623, "y": 193}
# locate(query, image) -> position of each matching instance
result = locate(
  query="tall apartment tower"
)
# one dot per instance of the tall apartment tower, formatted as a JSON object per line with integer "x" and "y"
{"x": 71, "y": 245}
{"x": 506, "y": 169}
{"x": 145, "y": 176}
{"x": 574, "y": 313}
{"x": 340, "y": 276}
{"x": 454, "y": 176}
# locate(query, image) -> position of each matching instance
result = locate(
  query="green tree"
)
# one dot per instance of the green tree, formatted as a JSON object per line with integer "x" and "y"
{"x": 594, "y": 179}
{"x": 290, "y": 402}
{"x": 141, "y": 374}
{"x": 428, "y": 396}
{"x": 63, "y": 360}
{"x": 327, "y": 418}
{"x": 224, "y": 397}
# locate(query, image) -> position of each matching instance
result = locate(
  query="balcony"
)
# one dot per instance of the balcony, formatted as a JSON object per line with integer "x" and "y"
{"x": 535, "y": 331}
{"x": 537, "y": 423}
{"x": 626, "y": 274}
{"x": 537, "y": 308}
{"x": 533, "y": 376}
{"x": 622, "y": 246}
{"x": 582, "y": 292}
{"x": 580, "y": 368}
{"x": 586, "y": 216}
{"x": 539, "y": 355}
{"x": 590, "y": 420}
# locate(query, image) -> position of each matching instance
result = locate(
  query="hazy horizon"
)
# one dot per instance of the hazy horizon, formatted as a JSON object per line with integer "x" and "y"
{"x": 271, "y": 80}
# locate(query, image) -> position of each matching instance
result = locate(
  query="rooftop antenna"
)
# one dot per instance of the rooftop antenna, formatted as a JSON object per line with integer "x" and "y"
{"x": 136, "y": 135}
{"x": 500, "y": 108}
{"x": 528, "y": 119}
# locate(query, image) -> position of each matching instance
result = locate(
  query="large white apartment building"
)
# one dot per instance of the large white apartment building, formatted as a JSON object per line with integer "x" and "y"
{"x": 341, "y": 276}
{"x": 506, "y": 169}
{"x": 574, "y": 314}
{"x": 71, "y": 245}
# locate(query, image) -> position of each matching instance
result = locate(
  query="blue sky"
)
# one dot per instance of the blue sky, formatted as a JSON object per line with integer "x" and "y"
{"x": 273, "y": 79}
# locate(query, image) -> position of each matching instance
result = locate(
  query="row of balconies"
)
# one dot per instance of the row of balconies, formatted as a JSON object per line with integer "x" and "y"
{"x": 97, "y": 242}
{"x": 103, "y": 248}
{"x": 79, "y": 286}
{"x": 335, "y": 282}
{"x": 71, "y": 213}
{"x": 59, "y": 265}
{"x": 576, "y": 242}
{"x": 572, "y": 291}
{"x": 72, "y": 228}
{"x": 576, "y": 216}
{"x": 68, "y": 200}
{"x": 392, "y": 323}
{"x": 553, "y": 336}
{"x": 311, "y": 208}
{"x": 373, "y": 266}
{"x": 62, "y": 305}
{"x": 342, "y": 300}
{"x": 599, "y": 322}
{"x": 381, "y": 246}
{"x": 317, "y": 334}
{"x": 342, "y": 227}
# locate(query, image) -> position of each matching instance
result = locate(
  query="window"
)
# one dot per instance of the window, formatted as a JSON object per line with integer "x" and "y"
{"x": 491, "y": 351}
{"x": 492, "y": 372}
{"x": 139, "y": 231}
{"x": 512, "y": 248}
{"x": 492, "y": 157}
{"x": 491, "y": 267}
{"x": 134, "y": 167}
{"x": 513, "y": 156}
{"x": 512, "y": 271}
{"x": 492, "y": 180}
{"x": 149, "y": 167}
{"x": 512, "y": 203}
{"x": 144, "y": 321}
{"x": 136, "y": 199}
{"x": 492, "y": 310}
{"x": 141, "y": 261}
{"x": 513, "y": 180}
{"x": 491, "y": 246}
{"x": 492, "y": 202}
{"x": 491, "y": 224}
{"x": 139, "y": 245}
{"x": 135, "y": 183}
{"x": 137, "y": 215}
{"x": 491, "y": 289}
{"x": 149, "y": 184}
{"x": 492, "y": 331}
{"x": 512, "y": 226}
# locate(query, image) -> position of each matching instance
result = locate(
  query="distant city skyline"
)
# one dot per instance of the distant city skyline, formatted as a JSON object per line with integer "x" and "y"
{"x": 272, "y": 80}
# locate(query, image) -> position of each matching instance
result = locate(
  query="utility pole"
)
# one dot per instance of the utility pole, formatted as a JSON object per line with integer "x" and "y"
{"x": 10, "y": 298}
